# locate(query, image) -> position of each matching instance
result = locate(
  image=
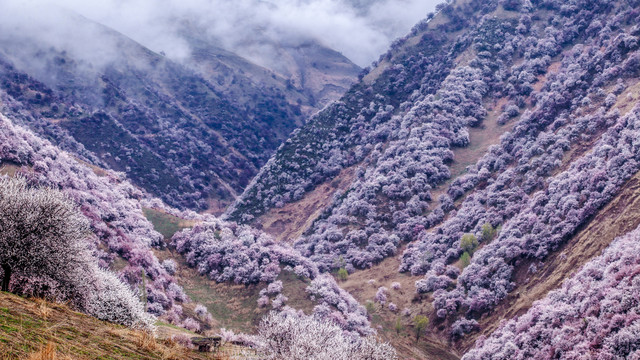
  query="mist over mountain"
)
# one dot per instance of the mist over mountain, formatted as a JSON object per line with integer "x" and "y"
{"x": 148, "y": 103}
{"x": 252, "y": 28}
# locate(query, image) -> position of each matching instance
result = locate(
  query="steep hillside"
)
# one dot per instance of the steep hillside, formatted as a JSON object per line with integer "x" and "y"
{"x": 193, "y": 132}
{"x": 494, "y": 149}
{"x": 592, "y": 315}
{"x": 347, "y": 132}
{"x": 616, "y": 219}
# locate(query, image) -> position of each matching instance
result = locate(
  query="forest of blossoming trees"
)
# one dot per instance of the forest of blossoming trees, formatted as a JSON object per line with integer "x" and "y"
{"x": 226, "y": 252}
{"x": 540, "y": 201}
{"x": 594, "y": 315}
{"x": 569, "y": 151}
{"x": 111, "y": 206}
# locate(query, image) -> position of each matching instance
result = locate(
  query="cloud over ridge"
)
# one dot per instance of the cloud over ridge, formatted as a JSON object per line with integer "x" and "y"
{"x": 360, "y": 29}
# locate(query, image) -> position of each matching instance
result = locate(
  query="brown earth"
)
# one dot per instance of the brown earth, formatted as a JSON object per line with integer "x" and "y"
{"x": 290, "y": 221}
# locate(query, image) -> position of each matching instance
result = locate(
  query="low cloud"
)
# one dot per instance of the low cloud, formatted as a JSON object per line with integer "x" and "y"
{"x": 360, "y": 29}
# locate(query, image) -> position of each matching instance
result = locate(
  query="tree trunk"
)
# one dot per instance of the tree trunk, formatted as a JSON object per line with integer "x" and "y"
{"x": 6, "y": 278}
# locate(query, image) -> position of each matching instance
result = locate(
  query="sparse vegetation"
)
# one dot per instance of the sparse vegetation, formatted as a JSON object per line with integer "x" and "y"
{"x": 398, "y": 326}
{"x": 488, "y": 233}
{"x": 371, "y": 307}
{"x": 465, "y": 260}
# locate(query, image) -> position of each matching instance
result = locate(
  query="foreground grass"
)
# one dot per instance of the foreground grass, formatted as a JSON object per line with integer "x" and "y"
{"x": 36, "y": 329}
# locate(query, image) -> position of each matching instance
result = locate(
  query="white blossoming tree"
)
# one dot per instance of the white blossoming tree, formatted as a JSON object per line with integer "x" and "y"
{"x": 291, "y": 336}
{"x": 41, "y": 242}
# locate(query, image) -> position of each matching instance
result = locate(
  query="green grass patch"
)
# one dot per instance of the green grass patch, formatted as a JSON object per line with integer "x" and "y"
{"x": 164, "y": 223}
{"x": 174, "y": 327}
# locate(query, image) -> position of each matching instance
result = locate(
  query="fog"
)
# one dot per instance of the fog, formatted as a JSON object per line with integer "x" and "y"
{"x": 359, "y": 29}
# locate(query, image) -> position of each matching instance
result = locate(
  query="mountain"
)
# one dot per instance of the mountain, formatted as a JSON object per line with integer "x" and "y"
{"x": 308, "y": 74}
{"x": 193, "y": 132}
{"x": 484, "y": 159}
{"x": 169, "y": 258}
{"x": 474, "y": 195}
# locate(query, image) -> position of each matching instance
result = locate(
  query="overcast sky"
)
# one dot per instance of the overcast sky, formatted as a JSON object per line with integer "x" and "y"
{"x": 360, "y": 29}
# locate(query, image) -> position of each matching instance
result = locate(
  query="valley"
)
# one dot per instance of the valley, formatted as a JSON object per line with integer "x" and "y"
{"x": 473, "y": 194}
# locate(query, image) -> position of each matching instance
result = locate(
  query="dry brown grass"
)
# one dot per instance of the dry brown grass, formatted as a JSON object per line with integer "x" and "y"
{"x": 9, "y": 169}
{"x": 221, "y": 357}
{"x": 145, "y": 340}
{"x": 627, "y": 100}
{"x": 48, "y": 352}
{"x": 172, "y": 350}
{"x": 290, "y": 221}
{"x": 43, "y": 307}
{"x": 37, "y": 329}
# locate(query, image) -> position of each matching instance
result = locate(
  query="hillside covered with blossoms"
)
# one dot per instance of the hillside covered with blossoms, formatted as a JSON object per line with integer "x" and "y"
{"x": 476, "y": 150}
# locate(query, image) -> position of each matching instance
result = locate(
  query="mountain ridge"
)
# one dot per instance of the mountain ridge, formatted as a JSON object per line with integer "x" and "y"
{"x": 152, "y": 102}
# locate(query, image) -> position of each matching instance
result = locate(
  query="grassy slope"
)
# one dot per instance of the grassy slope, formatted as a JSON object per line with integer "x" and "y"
{"x": 289, "y": 222}
{"x": 31, "y": 327}
{"x": 166, "y": 224}
{"x": 431, "y": 346}
{"x": 27, "y": 326}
